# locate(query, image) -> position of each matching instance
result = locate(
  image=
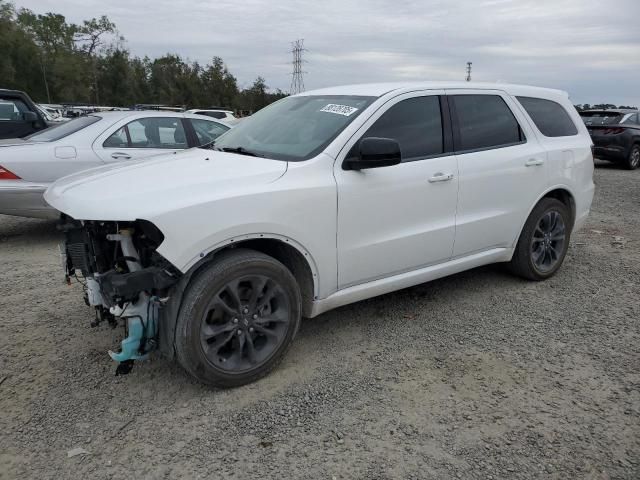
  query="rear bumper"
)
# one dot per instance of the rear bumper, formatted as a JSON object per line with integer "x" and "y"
{"x": 24, "y": 199}
{"x": 613, "y": 152}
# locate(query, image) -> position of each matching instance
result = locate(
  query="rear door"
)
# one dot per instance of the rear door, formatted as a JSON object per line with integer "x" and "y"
{"x": 142, "y": 137}
{"x": 502, "y": 169}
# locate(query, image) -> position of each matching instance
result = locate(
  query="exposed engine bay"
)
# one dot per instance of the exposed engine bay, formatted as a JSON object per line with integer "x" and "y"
{"x": 124, "y": 279}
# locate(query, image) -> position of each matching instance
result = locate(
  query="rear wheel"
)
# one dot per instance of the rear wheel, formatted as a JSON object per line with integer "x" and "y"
{"x": 543, "y": 242}
{"x": 633, "y": 160}
{"x": 238, "y": 319}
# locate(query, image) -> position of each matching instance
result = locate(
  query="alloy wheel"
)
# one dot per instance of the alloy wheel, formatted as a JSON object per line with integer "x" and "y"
{"x": 548, "y": 241}
{"x": 244, "y": 323}
{"x": 635, "y": 157}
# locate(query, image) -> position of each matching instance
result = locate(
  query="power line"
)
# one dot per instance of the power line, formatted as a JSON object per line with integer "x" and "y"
{"x": 297, "y": 79}
{"x": 468, "y": 79}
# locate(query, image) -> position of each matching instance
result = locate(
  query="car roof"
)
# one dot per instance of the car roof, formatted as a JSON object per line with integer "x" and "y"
{"x": 610, "y": 110}
{"x": 380, "y": 89}
{"x": 116, "y": 114}
{"x": 11, "y": 92}
{"x": 209, "y": 110}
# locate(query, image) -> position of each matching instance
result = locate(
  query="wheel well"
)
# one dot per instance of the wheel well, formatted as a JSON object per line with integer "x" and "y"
{"x": 565, "y": 197}
{"x": 291, "y": 258}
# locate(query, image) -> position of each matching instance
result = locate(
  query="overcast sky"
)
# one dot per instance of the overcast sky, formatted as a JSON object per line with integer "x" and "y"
{"x": 591, "y": 48}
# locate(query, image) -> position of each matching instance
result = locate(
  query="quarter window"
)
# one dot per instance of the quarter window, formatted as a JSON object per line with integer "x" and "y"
{"x": 415, "y": 123}
{"x": 550, "y": 117}
{"x": 485, "y": 121}
{"x": 117, "y": 140}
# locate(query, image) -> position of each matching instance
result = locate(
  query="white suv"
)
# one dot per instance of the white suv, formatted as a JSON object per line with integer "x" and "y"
{"x": 320, "y": 200}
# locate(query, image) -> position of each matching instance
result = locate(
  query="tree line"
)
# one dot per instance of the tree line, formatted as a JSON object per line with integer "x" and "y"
{"x": 600, "y": 106}
{"x": 55, "y": 61}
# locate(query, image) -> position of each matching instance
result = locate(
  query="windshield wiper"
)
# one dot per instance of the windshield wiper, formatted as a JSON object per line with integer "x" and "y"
{"x": 239, "y": 150}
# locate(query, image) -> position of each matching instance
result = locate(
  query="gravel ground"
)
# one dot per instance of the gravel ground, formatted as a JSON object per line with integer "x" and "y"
{"x": 479, "y": 375}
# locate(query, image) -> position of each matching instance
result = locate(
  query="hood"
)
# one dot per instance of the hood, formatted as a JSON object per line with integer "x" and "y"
{"x": 150, "y": 187}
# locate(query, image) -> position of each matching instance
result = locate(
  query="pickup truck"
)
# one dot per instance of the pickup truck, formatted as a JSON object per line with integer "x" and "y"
{"x": 19, "y": 116}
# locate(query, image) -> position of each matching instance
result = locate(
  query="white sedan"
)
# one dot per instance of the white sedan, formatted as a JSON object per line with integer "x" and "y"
{"x": 29, "y": 165}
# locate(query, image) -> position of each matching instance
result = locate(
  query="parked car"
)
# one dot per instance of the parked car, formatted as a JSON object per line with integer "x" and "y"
{"x": 50, "y": 115}
{"x": 19, "y": 116}
{"x": 319, "y": 200}
{"x": 615, "y": 135}
{"x": 226, "y": 116}
{"x": 29, "y": 165}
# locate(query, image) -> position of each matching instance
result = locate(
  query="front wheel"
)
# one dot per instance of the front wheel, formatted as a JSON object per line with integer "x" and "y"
{"x": 633, "y": 161}
{"x": 543, "y": 242}
{"x": 238, "y": 319}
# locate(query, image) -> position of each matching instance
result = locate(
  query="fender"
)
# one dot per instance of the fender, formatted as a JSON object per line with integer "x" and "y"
{"x": 170, "y": 312}
{"x": 564, "y": 187}
{"x": 259, "y": 236}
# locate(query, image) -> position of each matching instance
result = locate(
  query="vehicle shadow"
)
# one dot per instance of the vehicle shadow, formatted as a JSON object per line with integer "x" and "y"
{"x": 603, "y": 164}
{"x": 31, "y": 229}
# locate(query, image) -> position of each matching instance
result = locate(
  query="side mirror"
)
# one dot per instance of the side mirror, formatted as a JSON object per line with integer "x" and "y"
{"x": 375, "y": 152}
{"x": 30, "y": 117}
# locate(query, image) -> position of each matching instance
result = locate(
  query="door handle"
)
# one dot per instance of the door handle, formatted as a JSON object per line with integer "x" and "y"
{"x": 441, "y": 177}
{"x": 119, "y": 155}
{"x": 533, "y": 162}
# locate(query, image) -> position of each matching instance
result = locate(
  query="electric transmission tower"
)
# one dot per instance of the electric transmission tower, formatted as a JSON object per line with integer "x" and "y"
{"x": 297, "y": 80}
{"x": 468, "y": 79}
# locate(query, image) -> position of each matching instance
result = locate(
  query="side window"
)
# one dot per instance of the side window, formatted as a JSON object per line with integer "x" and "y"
{"x": 632, "y": 120}
{"x": 415, "y": 123}
{"x": 550, "y": 117}
{"x": 207, "y": 131}
{"x": 485, "y": 121}
{"x": 12, "y": 110}
{"x": 117, "y": 140}
{"x": 157, "y": 132}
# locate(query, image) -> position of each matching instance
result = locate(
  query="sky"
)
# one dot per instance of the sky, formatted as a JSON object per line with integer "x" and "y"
{"x": 590, "y": 48}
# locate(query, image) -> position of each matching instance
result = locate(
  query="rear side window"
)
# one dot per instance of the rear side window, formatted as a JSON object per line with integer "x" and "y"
{"x": 415, "y": 123}
{"x": 550, "y": 117}
{"x": 485, "y": 121}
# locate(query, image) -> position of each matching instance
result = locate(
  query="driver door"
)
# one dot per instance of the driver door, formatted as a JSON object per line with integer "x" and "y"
{"x": 398, "y": 218}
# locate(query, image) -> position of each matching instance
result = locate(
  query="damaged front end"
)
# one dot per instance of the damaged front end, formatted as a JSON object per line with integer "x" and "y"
{"x": 124, "y": 279}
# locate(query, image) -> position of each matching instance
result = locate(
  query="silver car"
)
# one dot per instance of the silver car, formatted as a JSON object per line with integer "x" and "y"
{"x": 29, "y": 165}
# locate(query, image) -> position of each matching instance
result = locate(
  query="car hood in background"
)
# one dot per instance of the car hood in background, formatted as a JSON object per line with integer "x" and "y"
{"x": 153, "y": 186}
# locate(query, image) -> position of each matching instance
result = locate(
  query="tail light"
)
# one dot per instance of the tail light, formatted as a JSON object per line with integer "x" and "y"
{"x": 613, "y": 131}
{"x": 7, "y": 175}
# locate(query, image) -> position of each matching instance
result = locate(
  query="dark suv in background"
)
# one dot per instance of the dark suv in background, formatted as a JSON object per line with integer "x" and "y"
{"x": 615, "y": 134}
{"x": 19, "y": 116}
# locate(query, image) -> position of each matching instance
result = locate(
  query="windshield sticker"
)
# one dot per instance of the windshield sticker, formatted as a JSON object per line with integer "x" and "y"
{"x": 345, "y": 110}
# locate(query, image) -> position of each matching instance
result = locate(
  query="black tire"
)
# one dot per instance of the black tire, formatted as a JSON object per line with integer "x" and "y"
{"x": 203, "y": 353}
{"x": 633, "y": 160}
{"x": 528, "y": 261}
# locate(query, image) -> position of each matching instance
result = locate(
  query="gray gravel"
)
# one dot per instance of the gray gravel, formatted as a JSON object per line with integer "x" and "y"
{"x": 480, "y": 375}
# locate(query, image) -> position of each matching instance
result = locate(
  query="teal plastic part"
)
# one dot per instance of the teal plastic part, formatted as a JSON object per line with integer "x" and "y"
{"x": 130, "y": 346}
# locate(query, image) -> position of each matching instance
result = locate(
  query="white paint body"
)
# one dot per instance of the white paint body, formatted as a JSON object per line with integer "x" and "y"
{"x": 38, "y": 164}
{"x": 364, "y": 233}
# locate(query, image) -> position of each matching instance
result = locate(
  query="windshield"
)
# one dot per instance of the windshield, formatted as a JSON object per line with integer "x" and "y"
{"x": 294, "y": 128}
{"x": 601, "y": 118}
{"x": 57, "y": 132}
